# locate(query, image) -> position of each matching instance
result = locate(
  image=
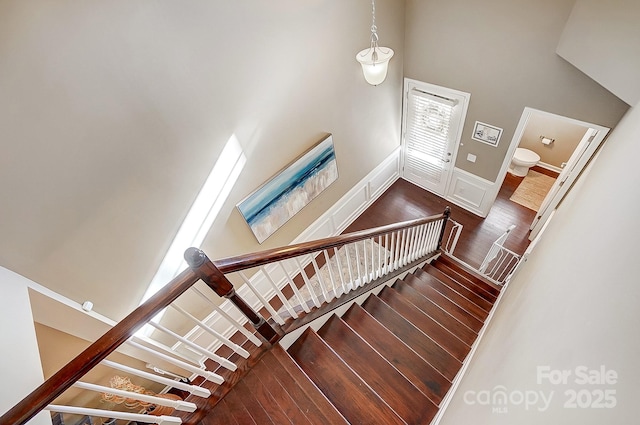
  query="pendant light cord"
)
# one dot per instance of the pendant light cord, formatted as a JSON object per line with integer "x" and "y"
{"x": 374, "y": 29}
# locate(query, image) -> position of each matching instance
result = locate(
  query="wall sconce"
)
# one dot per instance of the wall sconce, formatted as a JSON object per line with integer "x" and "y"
{"x": 375, "y": 59}
{"x": 546, "y": 140}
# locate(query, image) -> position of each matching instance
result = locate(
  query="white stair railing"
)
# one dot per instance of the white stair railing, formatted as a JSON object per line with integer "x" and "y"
{"x": 499, "y": 263}
{"x": 293, "y": 279}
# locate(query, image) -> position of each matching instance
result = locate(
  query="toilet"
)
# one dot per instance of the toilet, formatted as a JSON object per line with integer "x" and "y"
{"x": 522, "y": 160}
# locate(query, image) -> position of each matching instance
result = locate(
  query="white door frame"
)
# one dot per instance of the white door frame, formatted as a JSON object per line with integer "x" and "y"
{"x": 581, "y": 159}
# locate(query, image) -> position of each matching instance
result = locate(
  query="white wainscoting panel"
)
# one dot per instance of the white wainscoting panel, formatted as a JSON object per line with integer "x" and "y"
{"x": 470, "y": 192}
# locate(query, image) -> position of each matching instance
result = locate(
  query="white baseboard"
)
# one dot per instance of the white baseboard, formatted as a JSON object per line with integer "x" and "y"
{"x": 549, "y": 167}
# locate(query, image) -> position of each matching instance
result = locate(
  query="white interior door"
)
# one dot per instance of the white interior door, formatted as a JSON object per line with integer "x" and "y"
{"x": 432, "y": 126}
{"x": 581, "y": 155}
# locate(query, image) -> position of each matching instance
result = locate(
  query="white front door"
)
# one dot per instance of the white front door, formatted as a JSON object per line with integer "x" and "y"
{"x": 431, "y": 129}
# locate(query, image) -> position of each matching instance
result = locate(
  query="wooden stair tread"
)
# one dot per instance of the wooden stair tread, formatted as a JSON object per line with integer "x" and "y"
{"x": 457, "y": 287}
{"x": 309, "y": 398}
{"x": 421, "y": 284}
{"x": 427, "y": 348}
{"x": 473, "y": 275}
{"x": 462, "y": 331}
{"x": 253, "y": 406}
{"x": 398, "y": 392}
{"x": 423, "y": 375}
{"x": 434, "y": 330}
{"x": 473, "y": 309}
{"x": 267, "y": 400}
{"x": 346, "y": 390}
{"x": 223, "y": 415}
{"x": 238, "y": 409}
{"x": 281, "y": 395}
{"x": 465, "y": 281}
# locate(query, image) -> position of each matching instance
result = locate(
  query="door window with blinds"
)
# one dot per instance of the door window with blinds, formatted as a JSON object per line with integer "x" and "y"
{"x": 433, "y": 117}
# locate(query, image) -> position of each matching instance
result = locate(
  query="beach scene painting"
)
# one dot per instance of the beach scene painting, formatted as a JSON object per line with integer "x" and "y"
{"x": 280, "y": 198}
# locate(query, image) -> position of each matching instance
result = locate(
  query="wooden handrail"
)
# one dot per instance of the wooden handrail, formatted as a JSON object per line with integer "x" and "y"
{"x": 216, "y": 280}
{"x": 213, "y": 274}
{"x": 243, "y": 262}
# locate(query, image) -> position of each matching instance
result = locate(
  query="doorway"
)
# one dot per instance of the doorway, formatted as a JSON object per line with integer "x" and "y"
{"x": 547, "y": 136}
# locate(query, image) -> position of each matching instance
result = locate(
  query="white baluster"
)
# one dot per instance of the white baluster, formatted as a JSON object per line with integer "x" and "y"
{"x": 285, "y": 302}
{"x": 235, "y": 347}
{"x": 360, "y": 280}
{"x": 380, "y": 270}
{"x": 264, "y": 302}
{"x": 403, "y": 247}
{"x": 210, "y": 376}
{"x": 323, "y": 286}
{"x": 236, "y": 325}
{"x": 336, "y": 254}
{"x": 425, "y": 242}
{"x": 409, "y": 247}
{"x": 385, "y": 268}
{"x": 352, "y": 283}
{"x": 307, "y": 282}
{"x": 183, "y": 406}
{"x": 213, "y": 356}
{"x": 334, "y": 283}
{"x": 415, "y": 251}
{"x": 414, "y": 243}
{"x": 437, "y": 227}
{"x": 193, "y": 389}
{"x": 100, "y": 413}
{"x": 398, "y": 259}
{"x": 295, "y": 289}
{"x": 392, "y": 252}
{"x": 373, "y": 259}
{"x": 365, "y": 273}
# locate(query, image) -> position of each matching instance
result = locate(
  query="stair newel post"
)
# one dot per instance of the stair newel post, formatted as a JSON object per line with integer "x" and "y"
{"x": 207, "y": 271}
{"x": 445, "y": 215}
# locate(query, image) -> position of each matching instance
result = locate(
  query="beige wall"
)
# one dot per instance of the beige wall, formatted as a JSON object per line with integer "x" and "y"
{"x": 566, "y": 135}
{"x": 58, "y": 348}
{"x": 601, "y": 39}
{"x": 574, "y": 303}
{"x": 20, "y": 366}
{"x": 503, "y": 53}
{"x": 112, "y": 114}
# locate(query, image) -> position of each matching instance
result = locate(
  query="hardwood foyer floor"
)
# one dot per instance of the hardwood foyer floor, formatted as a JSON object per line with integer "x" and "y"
{"x": 406, "y": 201}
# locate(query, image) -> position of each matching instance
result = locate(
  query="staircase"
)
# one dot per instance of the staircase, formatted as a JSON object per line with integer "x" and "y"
{"x": 389, "y": 361}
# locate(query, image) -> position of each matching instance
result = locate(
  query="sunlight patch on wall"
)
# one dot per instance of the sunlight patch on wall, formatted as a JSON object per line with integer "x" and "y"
{"x": 202, "y": 214}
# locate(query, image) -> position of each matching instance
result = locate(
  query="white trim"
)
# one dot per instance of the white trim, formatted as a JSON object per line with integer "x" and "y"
{"x": 549, "y": 167}
{"x": 472, "y": 183}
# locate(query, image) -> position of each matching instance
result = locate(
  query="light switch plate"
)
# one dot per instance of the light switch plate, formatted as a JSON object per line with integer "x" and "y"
{"x": 471, "y": 157}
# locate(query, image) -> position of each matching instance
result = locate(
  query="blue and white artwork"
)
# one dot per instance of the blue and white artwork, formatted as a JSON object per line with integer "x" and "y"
{"x": 279, "y": 199}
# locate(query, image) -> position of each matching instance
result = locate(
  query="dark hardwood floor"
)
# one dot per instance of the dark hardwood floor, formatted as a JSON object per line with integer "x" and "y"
{"x": 406, "y": 201}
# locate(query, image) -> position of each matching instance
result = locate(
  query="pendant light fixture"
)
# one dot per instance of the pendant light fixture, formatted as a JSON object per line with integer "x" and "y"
{"x": 375, "y": 59}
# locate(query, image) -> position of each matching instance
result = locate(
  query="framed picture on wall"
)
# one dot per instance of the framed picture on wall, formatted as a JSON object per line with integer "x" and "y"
{"x": 486, "y": 133}
{"x": 276, "y": 201}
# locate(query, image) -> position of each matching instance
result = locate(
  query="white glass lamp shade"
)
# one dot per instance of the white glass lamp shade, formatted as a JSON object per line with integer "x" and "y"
{"x": 375, "y": 71}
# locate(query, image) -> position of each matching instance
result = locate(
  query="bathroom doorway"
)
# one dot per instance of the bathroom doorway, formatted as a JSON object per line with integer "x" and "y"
{"x": 564, "y": 145}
